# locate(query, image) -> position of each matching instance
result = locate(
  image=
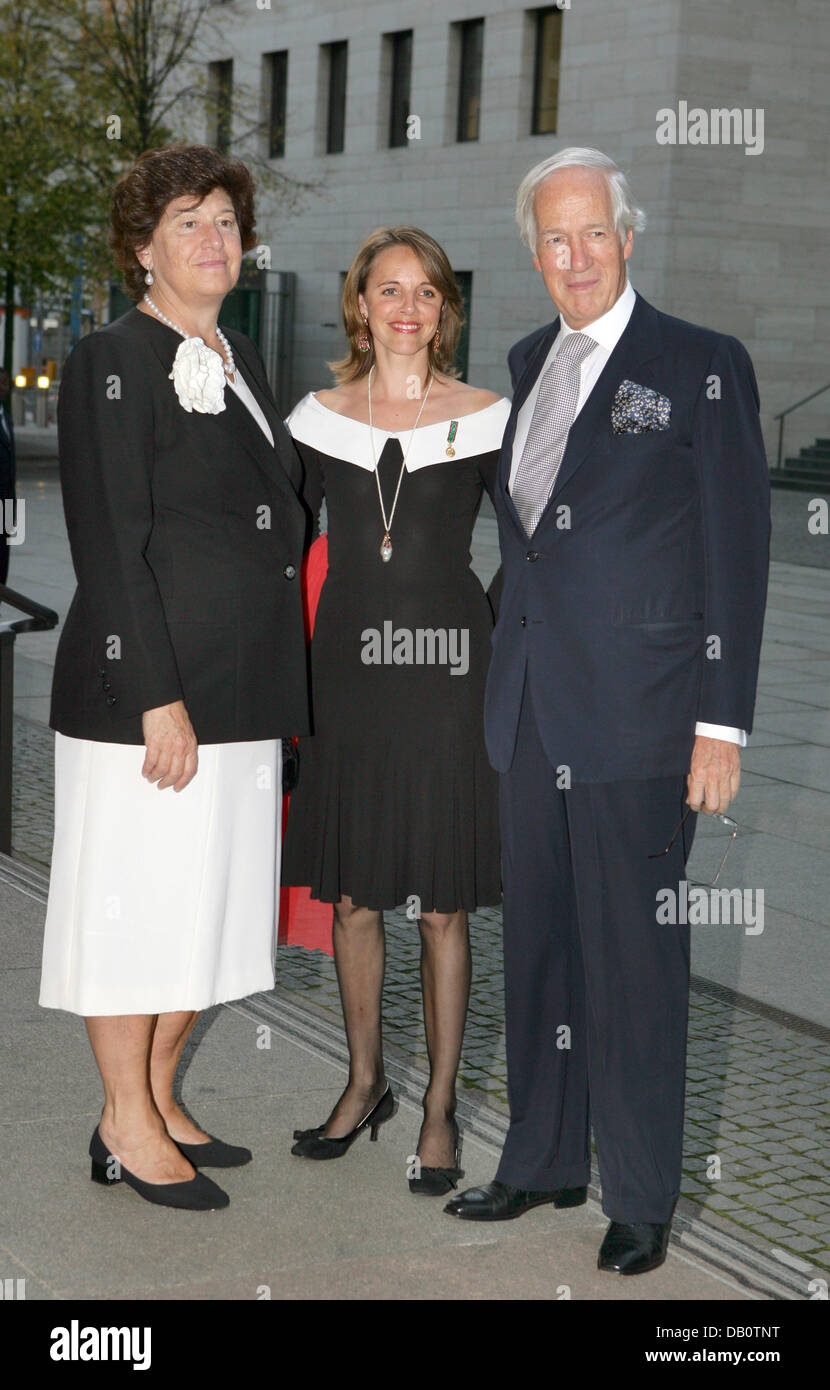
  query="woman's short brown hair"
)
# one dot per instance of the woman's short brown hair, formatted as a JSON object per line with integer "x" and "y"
{"x": 157, "y": 177}
{"x": 438, "y": 271}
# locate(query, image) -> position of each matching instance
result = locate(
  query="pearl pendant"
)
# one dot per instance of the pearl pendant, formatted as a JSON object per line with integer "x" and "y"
{"x": 386, "y": 549}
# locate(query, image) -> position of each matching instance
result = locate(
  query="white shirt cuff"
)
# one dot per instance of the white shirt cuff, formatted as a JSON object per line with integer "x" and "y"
{"x": 724, "y": 731}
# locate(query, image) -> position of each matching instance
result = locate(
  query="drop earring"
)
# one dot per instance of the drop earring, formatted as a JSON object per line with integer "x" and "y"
{"x": 148, "y": 278}
{"x": 363, "y": 337}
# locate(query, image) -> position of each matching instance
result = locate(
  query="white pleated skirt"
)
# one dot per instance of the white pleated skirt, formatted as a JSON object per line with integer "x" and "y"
{"x": 161, "y": 900}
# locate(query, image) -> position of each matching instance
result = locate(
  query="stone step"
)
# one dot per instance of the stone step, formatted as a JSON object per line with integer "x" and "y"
{"x": 798, "y": 481}
{"x": 811, "y": 466}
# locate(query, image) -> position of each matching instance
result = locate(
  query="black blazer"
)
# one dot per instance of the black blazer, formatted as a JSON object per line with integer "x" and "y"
{"x": 637, "y": 607}
{"x": 187, "y": 536}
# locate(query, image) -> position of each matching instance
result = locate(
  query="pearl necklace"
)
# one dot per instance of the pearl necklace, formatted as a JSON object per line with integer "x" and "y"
{"x": 229, "y": 365}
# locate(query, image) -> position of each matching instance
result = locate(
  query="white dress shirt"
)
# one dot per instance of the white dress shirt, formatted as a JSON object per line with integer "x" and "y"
{"x": 607, "y": 331}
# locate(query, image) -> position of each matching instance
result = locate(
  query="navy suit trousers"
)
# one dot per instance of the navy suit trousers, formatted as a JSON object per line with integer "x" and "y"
{"x": 596, "y": 990}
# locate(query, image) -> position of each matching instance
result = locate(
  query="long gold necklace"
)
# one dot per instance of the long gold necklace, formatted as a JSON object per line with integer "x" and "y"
{"x": 386, "y": 543}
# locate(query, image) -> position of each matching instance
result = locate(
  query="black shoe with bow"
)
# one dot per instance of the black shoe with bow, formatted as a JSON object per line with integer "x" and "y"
{"x": 437, "y": 1182}
{"x": 313, "y": 1143}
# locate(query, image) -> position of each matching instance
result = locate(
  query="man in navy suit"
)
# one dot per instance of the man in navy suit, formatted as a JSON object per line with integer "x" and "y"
{"x": 7, "y": 471}
{"x": 633, "y": 510}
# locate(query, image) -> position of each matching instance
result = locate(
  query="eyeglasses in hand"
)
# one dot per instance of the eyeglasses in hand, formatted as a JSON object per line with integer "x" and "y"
{"x": 726, "y": 821}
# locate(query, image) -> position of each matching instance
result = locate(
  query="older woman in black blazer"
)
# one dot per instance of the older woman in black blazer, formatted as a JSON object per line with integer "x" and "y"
{"x": 180, "y": 667}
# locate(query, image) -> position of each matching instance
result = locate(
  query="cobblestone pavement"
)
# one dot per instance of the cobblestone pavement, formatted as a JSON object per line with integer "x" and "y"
{"x": 791, "y": 541}
{"x": 756, "y": 1092}
{"x": 32, "y": 790}
{"x": 757, "y": 1081}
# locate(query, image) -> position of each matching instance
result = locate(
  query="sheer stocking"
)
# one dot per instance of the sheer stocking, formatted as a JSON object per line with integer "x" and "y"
{"x": 446, "y": 970}
{"x": 359, "y": 957}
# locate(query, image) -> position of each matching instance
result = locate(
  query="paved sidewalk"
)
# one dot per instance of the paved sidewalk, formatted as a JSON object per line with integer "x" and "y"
{"x": 757, "y": 1082}
{"x": 343, "y": 1230}
{"x": 755, "y": 1093}
{"x": 755, "y": 1164}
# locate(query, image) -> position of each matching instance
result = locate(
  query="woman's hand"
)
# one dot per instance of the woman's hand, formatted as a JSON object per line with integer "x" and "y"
{"x": 172, "y": 752}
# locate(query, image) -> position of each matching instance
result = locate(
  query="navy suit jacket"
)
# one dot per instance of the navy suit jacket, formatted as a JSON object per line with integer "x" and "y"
{"x": 637, "y": 607}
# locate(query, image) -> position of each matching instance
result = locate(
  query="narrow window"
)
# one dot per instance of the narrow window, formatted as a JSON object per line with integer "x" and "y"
{"x": 336, "y": 116}
{"x": 400, "y": 90}
{"x": 277, "y": 69}
{"x": 546, "y": 74}
{"x": 469, "y": 82}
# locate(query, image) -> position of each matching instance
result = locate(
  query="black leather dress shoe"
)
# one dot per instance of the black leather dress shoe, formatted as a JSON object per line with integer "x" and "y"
{"x": 498, "y": 1202}
{"x": 635, "y": 1247}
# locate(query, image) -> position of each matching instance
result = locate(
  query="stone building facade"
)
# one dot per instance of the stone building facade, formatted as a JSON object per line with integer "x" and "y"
{"x": 738, "y": 235}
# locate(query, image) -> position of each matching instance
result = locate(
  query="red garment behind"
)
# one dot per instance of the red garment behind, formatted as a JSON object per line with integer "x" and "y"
{"x": 303, "y": 921}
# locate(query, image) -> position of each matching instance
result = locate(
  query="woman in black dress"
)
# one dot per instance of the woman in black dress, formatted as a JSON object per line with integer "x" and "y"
{"x": 396, "y": 801}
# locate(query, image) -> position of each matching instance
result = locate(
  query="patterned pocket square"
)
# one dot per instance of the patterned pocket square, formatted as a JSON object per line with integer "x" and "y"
{"x": 639, "y": 409}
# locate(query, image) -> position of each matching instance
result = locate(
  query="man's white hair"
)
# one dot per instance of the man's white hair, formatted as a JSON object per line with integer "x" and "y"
{"x": 626, "y": 213}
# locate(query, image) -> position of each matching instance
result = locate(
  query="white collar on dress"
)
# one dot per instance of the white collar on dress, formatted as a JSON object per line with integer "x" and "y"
{"x": 343, "y": 438}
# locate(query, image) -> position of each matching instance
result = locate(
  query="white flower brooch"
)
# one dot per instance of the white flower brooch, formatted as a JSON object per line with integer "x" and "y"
{"x": 199, "y": 377}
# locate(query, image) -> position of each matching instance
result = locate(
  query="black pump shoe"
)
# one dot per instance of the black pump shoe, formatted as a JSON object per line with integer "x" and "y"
{"x": 313, "y": 1143}
{"x": 197, "y": 1194}
{"x": 437, "y": 1182}
{"x": 214, "y": 1153}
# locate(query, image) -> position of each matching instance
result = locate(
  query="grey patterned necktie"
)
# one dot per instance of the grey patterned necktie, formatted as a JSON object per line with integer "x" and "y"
{"x": 550, "y": 424}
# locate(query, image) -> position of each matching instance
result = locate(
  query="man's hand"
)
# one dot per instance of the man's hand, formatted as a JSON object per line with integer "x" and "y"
{"x": 172, "y": 756}
{"x": 714, "y": 776}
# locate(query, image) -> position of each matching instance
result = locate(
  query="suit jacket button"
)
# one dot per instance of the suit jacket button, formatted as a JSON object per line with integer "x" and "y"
{"x": 112, "y": 699}
{"x": 289, "y": 571}
{"x": 106, "y": 685}
{"x": 523, "y": 622}
{"x": 532, "y": 555}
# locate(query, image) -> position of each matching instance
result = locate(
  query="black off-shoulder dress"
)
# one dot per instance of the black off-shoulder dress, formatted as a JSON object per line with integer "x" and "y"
{"x": 396, "y": 798}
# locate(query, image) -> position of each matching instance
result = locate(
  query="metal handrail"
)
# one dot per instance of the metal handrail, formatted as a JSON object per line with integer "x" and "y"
{"x": 38, "y": 619}
{"x": 790, "y": 408}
